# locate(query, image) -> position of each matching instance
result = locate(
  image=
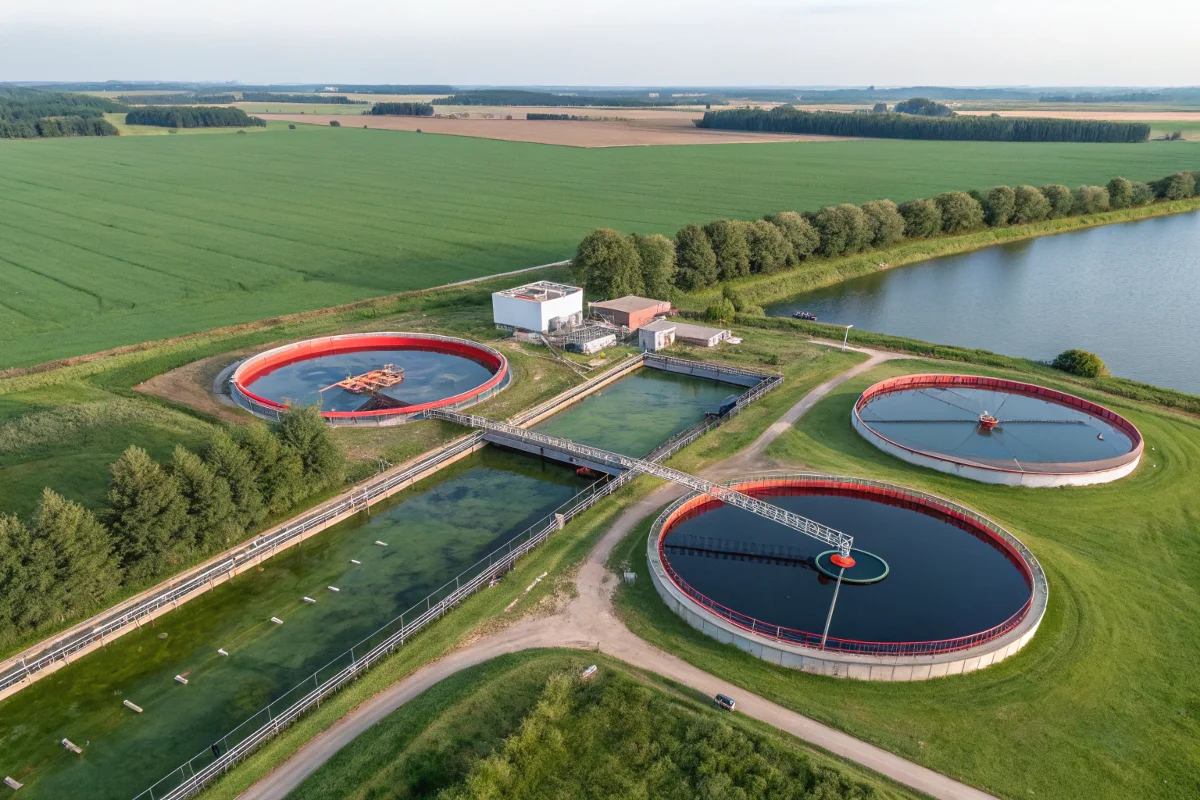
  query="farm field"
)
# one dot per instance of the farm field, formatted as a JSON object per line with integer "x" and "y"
{"x": 571, "y": 133}
{"x": 110, "y": 242}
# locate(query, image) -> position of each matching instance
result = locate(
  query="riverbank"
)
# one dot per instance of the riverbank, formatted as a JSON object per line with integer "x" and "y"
{"x": 818, "y": 273}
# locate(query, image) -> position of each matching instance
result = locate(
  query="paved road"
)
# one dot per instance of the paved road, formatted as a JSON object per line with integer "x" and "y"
{"x": 590, "y": 621}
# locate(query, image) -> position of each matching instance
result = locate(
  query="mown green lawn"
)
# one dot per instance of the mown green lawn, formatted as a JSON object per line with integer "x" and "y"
{"x": 111, "y": 241}
{"x": 1102, "y": 704}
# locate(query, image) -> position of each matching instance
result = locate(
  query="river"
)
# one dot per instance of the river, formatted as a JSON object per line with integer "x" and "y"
{"x": 1128, "y": 292}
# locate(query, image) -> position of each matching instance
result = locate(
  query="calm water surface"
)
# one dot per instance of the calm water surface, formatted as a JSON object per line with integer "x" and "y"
{"x": 1129, "y": 292}
{"x": 944, "y": 582}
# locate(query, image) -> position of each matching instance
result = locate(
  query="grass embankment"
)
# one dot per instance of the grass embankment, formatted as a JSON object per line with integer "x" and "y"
{"x": 817, "y": 273}
{"x": 525, "y": 725}
{"x": 367, "y": 213}
{"x": 1100, "y": 704}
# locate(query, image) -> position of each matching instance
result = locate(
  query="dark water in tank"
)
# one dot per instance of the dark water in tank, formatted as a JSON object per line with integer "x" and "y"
{"x": 428, "y": 376}
{"x": 944, "y": 582}
{"x": 1129, "y": 292}
{"x": 1030, "y": 429}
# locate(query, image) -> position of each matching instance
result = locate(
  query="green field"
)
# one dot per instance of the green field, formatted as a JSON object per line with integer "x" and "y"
{"x": 105, "y": 242}
{"x": 1101, "y": 704}
{"x": 620, "y": 734}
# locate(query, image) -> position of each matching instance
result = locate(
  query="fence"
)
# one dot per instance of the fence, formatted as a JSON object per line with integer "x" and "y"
{"x": 262, "y": 547}
{"x": 190, "y": 777}
{"x": 1039, "y": 586}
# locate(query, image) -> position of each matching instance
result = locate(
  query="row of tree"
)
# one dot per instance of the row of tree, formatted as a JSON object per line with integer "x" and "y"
{"x": 57, "y": 126}
{"x": 177, "y": 99}
{"x": 524, "y": 97}
{"x": 561, "y": 117}
{"x": 32, "y": 114}
{"x": 609, "y": 264}
{"x": 788, "y": 119}
{"x": 274, "y": 97}
{"x": 193, "y": 117}
{"x": 402, "y": 109}
{"x": 66, "y": 561}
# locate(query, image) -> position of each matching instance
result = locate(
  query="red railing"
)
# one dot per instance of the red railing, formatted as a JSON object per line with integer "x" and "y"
{"x": 879, "y": 491}
{"x": 934, "y": 381}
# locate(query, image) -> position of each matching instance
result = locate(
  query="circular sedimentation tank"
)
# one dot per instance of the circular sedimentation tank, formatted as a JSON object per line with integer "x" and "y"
{"x": 934, "y": 588}
{"x": 369, "y": 378}
{"x": 998, "y": 431}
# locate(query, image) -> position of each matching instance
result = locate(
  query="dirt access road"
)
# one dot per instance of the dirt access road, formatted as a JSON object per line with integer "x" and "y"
{"x": 572, "y": 133}
{"x": 590, "y": 620}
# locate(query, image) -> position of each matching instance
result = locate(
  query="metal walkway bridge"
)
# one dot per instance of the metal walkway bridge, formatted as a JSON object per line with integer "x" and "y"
{"x": 836, "y": 539}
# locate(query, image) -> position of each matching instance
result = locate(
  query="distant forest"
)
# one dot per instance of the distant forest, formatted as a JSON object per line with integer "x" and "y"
{"x": 521, "y": 97}
{"x": 193, "y": 117}
{"x": 402, "y": 109}
{"x": 272, "y": 97}
{"x": 33, "y": 114}
{"x": 786, "y": 119}
{"x": 182, "y": 98}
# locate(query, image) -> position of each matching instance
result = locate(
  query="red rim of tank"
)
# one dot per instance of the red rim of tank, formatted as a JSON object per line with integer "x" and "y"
{"x": 255, "y": 367}
{"x": 876, "y": 491}
{"x": 935, "y": 381}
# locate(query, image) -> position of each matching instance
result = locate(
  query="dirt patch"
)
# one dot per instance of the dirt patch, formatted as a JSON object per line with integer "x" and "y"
{"x": 626, "y": 133}
{"x": 191, "y": 386}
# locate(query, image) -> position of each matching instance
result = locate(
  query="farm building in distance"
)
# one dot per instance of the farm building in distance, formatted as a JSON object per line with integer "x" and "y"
{"x": 542, "y": 306}
{"x": 631, "y": 311}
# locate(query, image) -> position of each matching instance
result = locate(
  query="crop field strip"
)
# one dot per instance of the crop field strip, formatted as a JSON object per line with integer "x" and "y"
{"x": 120, "y": 241}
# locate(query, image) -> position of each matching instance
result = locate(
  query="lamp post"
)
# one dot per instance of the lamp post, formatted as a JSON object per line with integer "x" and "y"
{"x": 846, "y": 338}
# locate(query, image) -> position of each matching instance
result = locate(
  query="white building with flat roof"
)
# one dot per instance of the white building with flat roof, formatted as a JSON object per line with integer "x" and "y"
{"x": 542, "y": 306}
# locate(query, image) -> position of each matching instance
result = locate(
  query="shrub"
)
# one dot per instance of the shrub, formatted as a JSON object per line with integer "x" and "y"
{"x": 960, "y": 212}
{"x": 1090, "y": 200}
{"x": 731, "y": 247}
{"x": 769, "y": 251}
{"x": 885, "y": 226}
{"x": 1179, "y": 186}
{"x": 1029, "y": 205}
{"x": 722, "y": 312}
{"x": 657, "y": 254}
{"x": 291, "y": 126}
{"x": 608, "y": 265}
{"x": 922, "y": 218}
{"x": 1142, "y": 194}
{"x": 1060, "y": 199}
{"x": 843, "y": 229}
{"x": 333, "y": 123}
{"x": 1120, "y": 193}
{"x": 999, "y": 205}
{"x": 1081, "y": 363}
{"x": 734, "y": 296}
{"x": 695, "y": 262}
{"x": 801, "y": 236}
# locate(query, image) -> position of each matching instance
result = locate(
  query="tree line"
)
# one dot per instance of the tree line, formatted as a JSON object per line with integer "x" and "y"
{"x": 788, "y": 119}
{"x": 33, "y": 114}
{"x": 535, "y": 115}
{"x": 523, "y": 97}
{"x": 402, "y": 109}
{"x": 181, "y": 98}
{"x": 65, "y": 561}
{"x": 273, "y": 97}
{"x": 193, "y": 117}
{"x": 610, "y": 264}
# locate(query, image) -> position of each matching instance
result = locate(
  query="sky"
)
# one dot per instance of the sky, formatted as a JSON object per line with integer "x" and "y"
{"x": 607, "y": 42}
